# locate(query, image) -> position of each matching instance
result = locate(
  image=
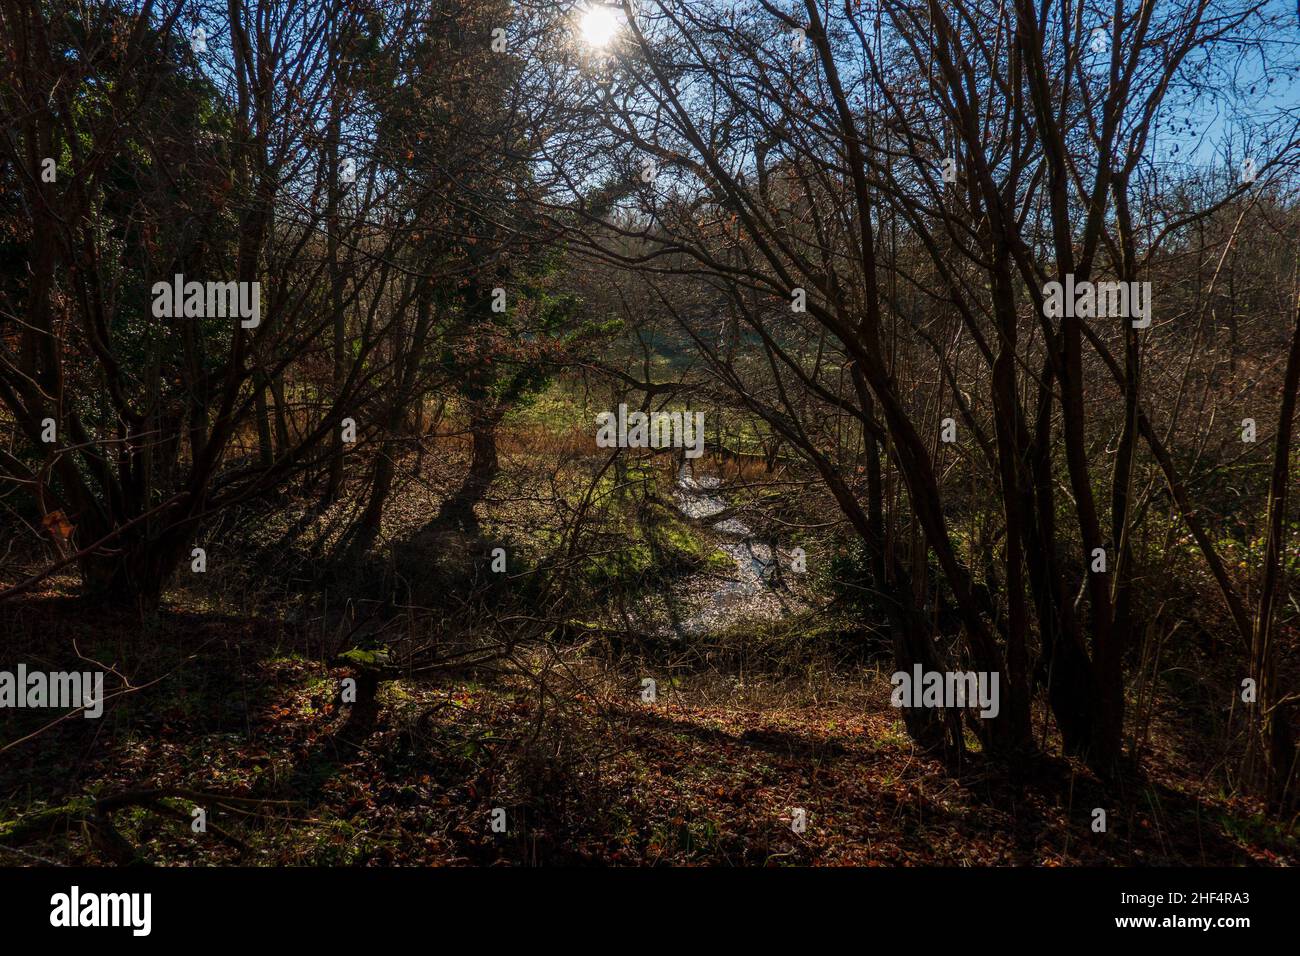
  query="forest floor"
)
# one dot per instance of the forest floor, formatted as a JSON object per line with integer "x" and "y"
{"x": 711, "y": 772}
{"x": 766, "y": 747}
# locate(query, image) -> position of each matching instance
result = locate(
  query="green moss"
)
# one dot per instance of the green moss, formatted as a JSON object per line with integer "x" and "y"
{"x": 374, "y": 658}
{"x": 661, "y": 545}
{"x": 40, "y": 822}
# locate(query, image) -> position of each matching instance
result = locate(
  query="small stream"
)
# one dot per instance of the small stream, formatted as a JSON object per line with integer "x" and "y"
{"x": 711, "y": 600}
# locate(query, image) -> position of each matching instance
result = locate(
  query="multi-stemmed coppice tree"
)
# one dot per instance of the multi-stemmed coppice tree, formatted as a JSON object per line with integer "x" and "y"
{"x": 142, "y": 150}
{"x": 153, "y": 140}
{"x": 884, "y": 192}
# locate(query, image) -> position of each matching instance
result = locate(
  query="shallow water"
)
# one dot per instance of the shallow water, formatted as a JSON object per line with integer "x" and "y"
{"x": 711, "y": 599}
{"x": 693, "y": 498}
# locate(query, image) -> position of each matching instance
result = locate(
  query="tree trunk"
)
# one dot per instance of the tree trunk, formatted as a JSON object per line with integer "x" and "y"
{"x": 1271, "y": 718}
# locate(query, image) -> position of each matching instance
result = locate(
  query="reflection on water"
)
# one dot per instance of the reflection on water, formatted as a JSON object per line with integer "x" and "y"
{"x": 693, "y": 498}
{"x": 712, "y": 599}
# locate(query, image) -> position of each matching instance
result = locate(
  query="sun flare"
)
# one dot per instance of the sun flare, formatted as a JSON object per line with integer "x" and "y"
{"x": 598, "y": 25}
